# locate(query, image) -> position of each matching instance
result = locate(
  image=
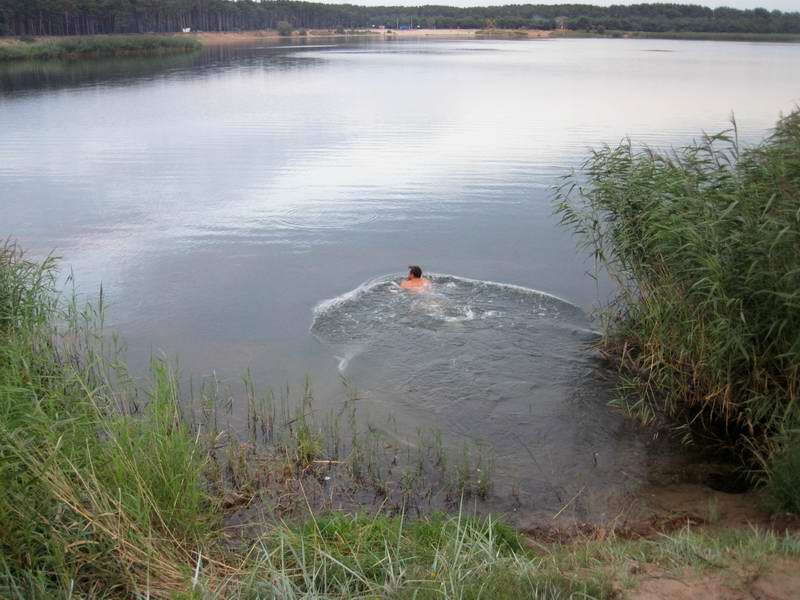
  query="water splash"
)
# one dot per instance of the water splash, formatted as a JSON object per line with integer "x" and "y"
{"x": 452, "y": 311}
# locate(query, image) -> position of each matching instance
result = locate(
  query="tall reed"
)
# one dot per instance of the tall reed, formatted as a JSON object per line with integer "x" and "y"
{"x": 89, "y": 496}
{"x": 703, "y": 243}
{"x": 95, "y": 46}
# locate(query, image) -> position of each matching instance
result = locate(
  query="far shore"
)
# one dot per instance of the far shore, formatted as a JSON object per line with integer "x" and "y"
{"x": 94, "y": 46}
{"x": 115, "y": 44}
{"x": 214, "y": 38}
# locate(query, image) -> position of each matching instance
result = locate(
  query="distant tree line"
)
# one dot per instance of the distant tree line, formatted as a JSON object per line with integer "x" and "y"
{"x": 81, "y": 17}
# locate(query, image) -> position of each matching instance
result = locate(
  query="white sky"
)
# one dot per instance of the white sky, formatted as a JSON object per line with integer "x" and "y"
{"x": 784, "y": 5}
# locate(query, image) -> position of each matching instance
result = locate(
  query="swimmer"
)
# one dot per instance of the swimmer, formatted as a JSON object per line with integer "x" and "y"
{"x": 415, "y": 281}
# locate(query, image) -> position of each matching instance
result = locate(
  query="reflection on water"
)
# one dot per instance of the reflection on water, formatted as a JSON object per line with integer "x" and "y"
{"x": 26, "y": 77}
{"x": 220, "y": 195}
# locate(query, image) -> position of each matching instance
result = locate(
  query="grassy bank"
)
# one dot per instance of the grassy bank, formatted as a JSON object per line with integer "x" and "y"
{"x": 89, "y": 496}
{"x": 94, "y": 46}
{"x": 703, "y": 244}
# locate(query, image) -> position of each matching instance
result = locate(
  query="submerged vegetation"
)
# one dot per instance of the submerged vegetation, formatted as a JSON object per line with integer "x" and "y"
{"x": 703, "y": 244}
{"x": 95, "y": 46}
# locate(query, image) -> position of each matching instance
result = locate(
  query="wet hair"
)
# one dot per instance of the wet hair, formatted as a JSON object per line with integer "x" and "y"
{"x": 415, "y": 271}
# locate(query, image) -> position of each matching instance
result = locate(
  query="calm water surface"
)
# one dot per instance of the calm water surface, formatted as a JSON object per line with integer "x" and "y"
{"x": 230, "y": 201}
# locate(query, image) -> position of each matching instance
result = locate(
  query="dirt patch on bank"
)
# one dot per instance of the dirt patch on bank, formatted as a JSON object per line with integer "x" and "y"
{"x": 224, "y": 38}
{"x": 780, "y": 580}
{"x": 664, "y": 509}
{"x": 670, "y": 514}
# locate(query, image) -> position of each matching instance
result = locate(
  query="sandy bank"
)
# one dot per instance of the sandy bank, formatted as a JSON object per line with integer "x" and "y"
{"x": 246, "y": 37}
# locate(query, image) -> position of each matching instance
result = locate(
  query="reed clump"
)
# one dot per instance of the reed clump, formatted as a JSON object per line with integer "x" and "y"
{"x": 92, "y": 500}
{"x": 96, "y": 46}
{"x": 343, "y": 556}
{"x": 703, "y": 244}
{"x": 784, "y": 478}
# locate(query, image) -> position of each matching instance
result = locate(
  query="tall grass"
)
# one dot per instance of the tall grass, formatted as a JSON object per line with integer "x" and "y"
{"x": 377, "y": 557}
{"x": 703, "y": 243}
{"x": 96, "y": 46}
{"x": 91, "y": 500}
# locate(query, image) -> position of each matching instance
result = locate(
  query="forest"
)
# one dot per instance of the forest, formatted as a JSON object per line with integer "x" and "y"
{"x": 88, "y": 17}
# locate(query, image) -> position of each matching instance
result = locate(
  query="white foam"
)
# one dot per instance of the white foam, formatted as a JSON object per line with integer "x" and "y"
{"x": 370, "y": 284}
{"x": 391, "y": 281}
{"x": 509, "y": 286}
{"x": 330, "y": 303}
{"x": 468, "y": 315}
{"x": 344, "y": 361}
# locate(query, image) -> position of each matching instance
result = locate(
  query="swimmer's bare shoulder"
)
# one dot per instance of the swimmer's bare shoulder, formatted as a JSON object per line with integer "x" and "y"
{"x": 415, "y": 281}
{"x": 415, "y": 284}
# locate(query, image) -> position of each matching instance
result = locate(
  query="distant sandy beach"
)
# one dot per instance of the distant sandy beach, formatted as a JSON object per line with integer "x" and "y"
{"x": 213, "y": 38}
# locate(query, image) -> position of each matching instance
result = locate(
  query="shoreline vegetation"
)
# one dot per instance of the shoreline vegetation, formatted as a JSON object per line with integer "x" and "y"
{"x": 95, "y": 46}
{"x": 104, "y": 46}
{"x": 39, "y": 29}
{"x": 111, "y": 489}
{"x": 703, "y": 244}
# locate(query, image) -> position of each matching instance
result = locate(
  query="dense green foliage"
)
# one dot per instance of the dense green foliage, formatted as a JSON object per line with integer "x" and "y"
{"x": 784, "y": 478}
{"x": 704, "y": 243}
{"x": 98, "y": 46}
{"x": 72, "y": 17}
{"x": 88, "y": 495}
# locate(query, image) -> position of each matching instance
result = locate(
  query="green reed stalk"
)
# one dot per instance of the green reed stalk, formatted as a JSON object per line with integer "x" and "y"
{"x": 703, "y": 243}
{"x": 87, "y": 494}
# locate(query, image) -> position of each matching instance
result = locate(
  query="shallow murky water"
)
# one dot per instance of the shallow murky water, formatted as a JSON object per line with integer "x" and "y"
{"x": 221, "y": 197}
{"x": 506, "y": 369}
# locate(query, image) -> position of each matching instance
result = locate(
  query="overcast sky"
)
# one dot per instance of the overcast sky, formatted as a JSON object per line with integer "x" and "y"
{"x": 784, "y": 5}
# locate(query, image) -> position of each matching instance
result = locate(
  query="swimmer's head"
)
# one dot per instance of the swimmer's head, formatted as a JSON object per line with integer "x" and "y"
{"x": 414, "y": 272}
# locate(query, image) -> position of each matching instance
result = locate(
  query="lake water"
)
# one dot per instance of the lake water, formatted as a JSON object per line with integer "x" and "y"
{"x": 230, "y": 201}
